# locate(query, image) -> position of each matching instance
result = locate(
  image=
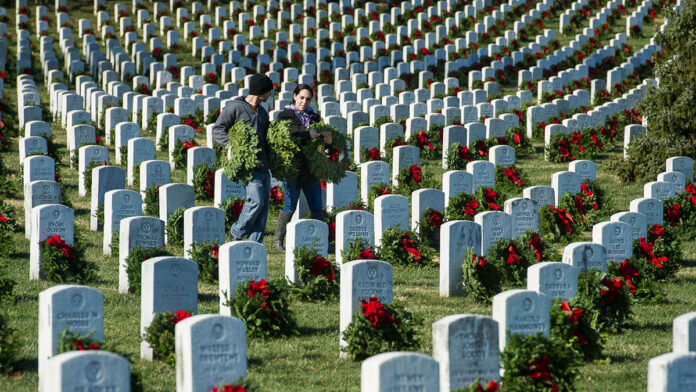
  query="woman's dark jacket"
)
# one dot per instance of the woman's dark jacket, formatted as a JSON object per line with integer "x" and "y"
{"x": 298, "y": 130}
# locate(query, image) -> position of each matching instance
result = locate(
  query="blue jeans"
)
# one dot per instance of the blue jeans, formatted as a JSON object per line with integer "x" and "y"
{"x": 312, "y": 190}
{"x": 252, "y": 219}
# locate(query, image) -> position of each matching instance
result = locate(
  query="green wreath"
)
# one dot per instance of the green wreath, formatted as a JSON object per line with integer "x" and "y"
{"x": 206, "y": 255}
{"x": 179, "y": 154}
{"x": 232, "y": 207}
{"x": 481, "y": 279}
{"x": 464, "y": 206}
{"x": 570, "y": 323}
{"x": 607, "y": 297}
{"x": 282, "y": 151}
{"x": 64, "y": 263}
{"x": 243, "y": 142}
{"x": 404, "y": 248}
{"x": 175, "y": 227}
{"x": 429, "y": 227}
{"x": 458, "y": 156}
{"x": 376, "y": 191}
{"x": 512, "y": 257}
{"x": 160, "y": 334}
{"x": 134, "y": 261}
{"x": 318, "y": 278}
{"x": 151, "y": 201}
{"x": 204, "y": 183}
{"x": 327, "y": 163}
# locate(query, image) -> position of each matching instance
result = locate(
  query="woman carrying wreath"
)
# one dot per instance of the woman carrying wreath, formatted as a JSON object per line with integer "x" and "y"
{"x": 301, "y": 116}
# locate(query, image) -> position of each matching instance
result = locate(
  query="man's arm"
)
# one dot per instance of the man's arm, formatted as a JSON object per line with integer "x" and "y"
{"x": 225, "y": 120}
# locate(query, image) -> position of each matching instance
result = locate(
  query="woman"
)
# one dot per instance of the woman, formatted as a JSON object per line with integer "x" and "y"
{"x": 301, "y": 116}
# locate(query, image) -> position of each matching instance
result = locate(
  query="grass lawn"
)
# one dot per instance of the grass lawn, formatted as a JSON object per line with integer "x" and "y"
{"x": 311, "y": 361}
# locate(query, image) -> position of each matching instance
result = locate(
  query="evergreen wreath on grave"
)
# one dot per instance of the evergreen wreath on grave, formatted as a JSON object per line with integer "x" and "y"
{"x": 243, "y": 141}
{"x": 570, "y": 323}
{"x": 458, "y": 156}
{"x": 175, "y": 227}
{"x": 204, "y": 183}
{"x": 264, "y": 307}
{"x": 588, "y": 206}
{"x": 359, "y": 249}
{"x": 481, "y": 279}
{"x": 239, "y": 385}
{"x": 389, "y": 147}
{"x": 212, "y": 117}
{"x": 134, "y": 261}
{"x": 277, "y": 198}
{"x": 477, "y": 386}
{"x": 318, "y": 277}
{"x": 666, "y": 243}
{"x": 429, "y": 142}
{"x": 539, "y": 246}
{"x": 124, "y": 152}
{"x": 464, "y": 206}
{"x": 151, "y": 201}
{"x": 512, "y": 257}
{"x": 88, "y": 173}
{"x": 8, "y": 225}
{"x": 680, "y": 212}
{"x": 180, "y": 152}
{"x": 664, "y": 268}
{"x": 283, "y": 151}
{"x": 162, "y": 143}
{"x": 151, "y": 128}
{"x": 72, "y": 341}
{"x": 410, "y": 179}
{"x": 607, "y": 297}
{"x": 100, "y": 215}
{"x": 232, "y": 207}
{"x": 193, "y": 121}
{"x": 479, "y": 149}
{"x": 429, "y": 227}
{"x": 10, "y": 346}
{"x": 404, "y": 248}
{"x": 376, "y": 328}
{"x": 160, "y": 334}
{"x": 327, "y": 163}
{"x": 556, "y": 224}
{"x": 509, "y": 180}
{"x": 65, "y": 263}
{"x": 517, "y": 137}
{"x": 370, "y": 154}
{"x": 639, "y": 275}
{"x": 488, "y": 199}
{"x": 538, "y": 363}
{"x": 206, "y": 255}
{"x": 376, "y": 191}
{"x": 587, "y": 144}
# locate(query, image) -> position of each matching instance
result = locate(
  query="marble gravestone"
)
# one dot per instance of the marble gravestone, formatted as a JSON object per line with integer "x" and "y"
{"x": 586, "y": 255}
{"x": 553, "y": 279}
{"x": 400, "y": 371}
{"x": 456, "y": 238}
{"x": 91, "y": 370}
{"x": 238, "y": 262}
{"x": 520, "y": 312}
{"x": 308, "y": 233}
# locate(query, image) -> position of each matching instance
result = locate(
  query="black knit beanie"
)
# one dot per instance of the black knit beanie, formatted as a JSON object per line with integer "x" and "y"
{"x": 260, "y": 84}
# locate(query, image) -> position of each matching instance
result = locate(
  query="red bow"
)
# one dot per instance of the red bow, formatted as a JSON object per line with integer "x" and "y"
{"x": 490, "y": 196}
{"x": 564, "y": 148}
{"x": 435, "y": 220}
{"x": 565, "y": 218}
{"x": 513, "y": 257}
{"x": 539, "y": 369}
{"x": 408, "y": 244}
{"x": 332, "y": 230}
{"x": 492, "y": 387}
{"x": 423, "y": 140}
{"x": 481, "y": 148}
{"x": 511, "y": 174}
{"x": 577, "y": 138}
{"x": 416, "y": 173}
{"x": 574, "y": 317}
{"x": 366, "y": 254}
{"x": 376, "y": 313}
{"x": 657, "y": 231}
{"x": 259, "y": 287}
{"x": 57, "y": 242}
{"x": 319, "y": 265}
{"x": 596, "y": 141}
{"x": 384, "y": 191}
{"x": 333, "y": 154}
{"x": 578, "y": 205}
{"x": 3, "y": 219}
{"x": 470, "y": 207}
{"x": 464, "y": 153}
{"x": 674, "y": 213}
{"x": 374, "y": 154}
{"x": 646, "y": 250}
{"x": 180, "y": 315}
{"x": 517, "y": 138}
{"x": 237, "y": 207}
{"x": 627, "y": 271}
{"x": 613, "y": 289}
{"x": 230, "y": 388}
{"x": 186, "y": 145}
{"x": 215, "y": 249}
{"x": 277, "y": 196}
{"x": 535, "y": 242}
{"x": 480, "y": 262}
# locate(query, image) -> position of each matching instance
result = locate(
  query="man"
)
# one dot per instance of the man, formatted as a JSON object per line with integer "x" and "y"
{"x": 252, "y": 219}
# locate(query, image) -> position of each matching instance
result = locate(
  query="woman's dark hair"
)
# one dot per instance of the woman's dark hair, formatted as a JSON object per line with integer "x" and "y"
{"x": 301, "y": 87}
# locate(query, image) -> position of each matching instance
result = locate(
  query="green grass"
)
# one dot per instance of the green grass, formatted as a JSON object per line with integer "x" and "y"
{"x": 311, "y": 361}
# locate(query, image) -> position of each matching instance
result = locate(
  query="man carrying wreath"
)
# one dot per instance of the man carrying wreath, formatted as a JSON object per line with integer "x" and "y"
{"x": 248, "y": 109}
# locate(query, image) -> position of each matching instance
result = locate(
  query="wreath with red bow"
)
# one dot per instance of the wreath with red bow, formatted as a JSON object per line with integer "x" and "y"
{"x": 264, "y": 307}
{"x": 556, "y": 224}
{"x": 587, "y": 206}
{"x": 538, "y": 363}
{"x": 512, "y": 258}
{"x": 571, "y": 323}
{"x": 206, "y": 254}
{"x": 72, "y": 341}
{"x": 608, "y": 297}
{"x": 64, "y": 263}
{"x": 318, "y": 277}
{"x": 204, "y": 183}
{"x": 509, "y": 180}
{"x": 464, "y": 206}
{"x": 410, "y": 179}
{"x": 481, "y": 279}
{"x": 376, "y": 191}
{"x": 160, "y": 334}
{"x": 404, "y": 247}
{"x": 359, "y": 249}
{"x": 180, "y": 152}
{"x": 429, "y": 227}
{"x": 458, "y": 157}
{"x": 380, "y": 327}
{"x": 429, "y": 142}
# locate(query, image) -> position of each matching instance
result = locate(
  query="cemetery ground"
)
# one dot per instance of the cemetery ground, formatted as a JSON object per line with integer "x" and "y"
{"x": 311, "y": 360}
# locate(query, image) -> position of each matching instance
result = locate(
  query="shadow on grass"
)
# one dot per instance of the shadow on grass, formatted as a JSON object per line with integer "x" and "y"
{"x": 26, "y": 365}
{"x": 689, "y": 263}
{"x": 650, "y": 326}
{"x": 208, "y": 297}
{"x": 620, "y": 358}
{"x": 305, "y": 330}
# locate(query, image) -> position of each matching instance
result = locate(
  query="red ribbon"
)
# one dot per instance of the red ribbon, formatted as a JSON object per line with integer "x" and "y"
{"x": 471, "y": 207}
{"x": 366, "y": 254}
{"x": 481, "y": 148}
{"x": 375, "y": 312}
{"x": 564, "y": 148}
{"x": 259, "y": 287}
{"x": 674, "y": 213}
{"x": 423, "y": 140}
{"x": 645, "y": 249}
{"x": 464, "y": 153}
{"x": 374, "y": 154}
{"x": 565, "y": 218}
{"x": 627, "y": 272}
{"x": 384, "y": 191}
{"x": 435, "y": 220}
{"x": 3, "y": 219}
{"x": 57, "y": 242}
{"x": 416, "y": 173}
{"x": 539, "y": 369}
{"x": 513, "y": 257}
{"x": 578, "y": 205}
{"x": 613, "y": 289}
{"x": 408, "y": 244}
{"x": 535, "y": 243}
{"x": 517, "y": 138}
{"x": 480, "y": 262}
{"x": 490, "y": 196}
{"x": 492, "y": 387}
{"x": 215, "y": 249}
{"x": 657, "y": 231}
{"x": 319, "y": 265}
{"x": 596, "y": 141}
{"x": 577, "y": 138}
{"x": 511, "y": 174}
{"x": 180, "y": 315}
